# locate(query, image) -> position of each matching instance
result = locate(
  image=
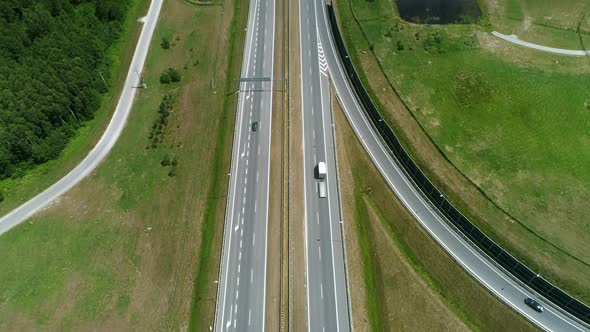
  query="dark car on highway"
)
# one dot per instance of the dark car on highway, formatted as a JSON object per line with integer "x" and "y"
{"x": 534, "y": 304}
{"x": 255, "y": 126}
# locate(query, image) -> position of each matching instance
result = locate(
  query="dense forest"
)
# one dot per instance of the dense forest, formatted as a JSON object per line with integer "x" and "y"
{"x": 53, "y": 70}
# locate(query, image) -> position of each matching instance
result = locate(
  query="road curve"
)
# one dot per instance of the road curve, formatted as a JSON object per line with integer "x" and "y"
{"x": 478, "y": 265}
{"x": 108, "y": 139}
{"x": 515, "y": 40}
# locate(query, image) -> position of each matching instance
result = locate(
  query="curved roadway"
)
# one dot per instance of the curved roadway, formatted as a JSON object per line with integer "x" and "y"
{"x": 515, "y": 40}
{"x": 108, "y": 139}
{"x": 496, "y": 280}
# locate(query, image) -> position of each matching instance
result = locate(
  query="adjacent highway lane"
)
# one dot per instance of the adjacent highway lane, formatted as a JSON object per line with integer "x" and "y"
{"x": 473, "y": 261}
{"x": 242, "y": 284}
{"x": 327, "y": 298}
{"x": 108, "y": 139}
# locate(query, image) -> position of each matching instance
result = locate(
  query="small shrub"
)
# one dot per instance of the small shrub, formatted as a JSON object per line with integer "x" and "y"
{"x": 2, "y": 195}
{"x": 165, "y": 78}
{"x": 165, "y": 161}
{"x": 174, "y": 74}
{"x": 159, "y": 126}
{"x": 165, "y": 43}
{"x": 170, "y": 75}
{"x": 172, "y": 172}
{"x": 400, "y": 45}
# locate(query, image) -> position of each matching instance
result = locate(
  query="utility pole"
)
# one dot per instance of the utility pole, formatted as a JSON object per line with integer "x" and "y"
{"x": 141, "y": 84}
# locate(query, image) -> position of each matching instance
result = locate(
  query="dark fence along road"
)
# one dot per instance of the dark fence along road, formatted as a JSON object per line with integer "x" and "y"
{"x": 517, "y": 269}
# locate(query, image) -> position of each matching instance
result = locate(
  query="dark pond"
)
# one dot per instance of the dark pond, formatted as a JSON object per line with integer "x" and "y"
{"x": 439, "y": 11}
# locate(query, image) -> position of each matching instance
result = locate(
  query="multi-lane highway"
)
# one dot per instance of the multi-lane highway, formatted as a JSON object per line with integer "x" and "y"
{"x": 327, "y": 298}
{"x": 108, "y": 139}
{"x": 495, "y": 279}
{"x": 242, "y": 283}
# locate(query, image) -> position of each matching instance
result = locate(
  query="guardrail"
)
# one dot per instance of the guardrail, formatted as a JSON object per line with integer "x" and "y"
{"x": 517, "y": 269}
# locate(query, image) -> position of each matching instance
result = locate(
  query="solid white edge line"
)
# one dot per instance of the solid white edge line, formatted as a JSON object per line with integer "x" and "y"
{"x": 268, "y": 165}
{"x": 304, "y": 164}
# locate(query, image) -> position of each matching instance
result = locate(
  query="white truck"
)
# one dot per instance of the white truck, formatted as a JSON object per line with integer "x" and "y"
{"x": 321, "y": 175}
{"x": 321, "y": 170}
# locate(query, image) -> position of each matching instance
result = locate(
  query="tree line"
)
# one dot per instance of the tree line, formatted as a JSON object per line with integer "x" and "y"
{"x": 54, "y": 69}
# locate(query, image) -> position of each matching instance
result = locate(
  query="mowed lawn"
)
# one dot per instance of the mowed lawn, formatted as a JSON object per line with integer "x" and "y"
{"x": 514, "y": 122}
{"x": 120, "y": 251}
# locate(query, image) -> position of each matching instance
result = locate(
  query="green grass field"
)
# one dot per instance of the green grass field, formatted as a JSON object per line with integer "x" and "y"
{"x": 564, "y": 14}
{"x": 512, "y": 122}
{"x": 120, "y": 251}
{"x": 545, "y": 22}
{"x": 410, "y": 283}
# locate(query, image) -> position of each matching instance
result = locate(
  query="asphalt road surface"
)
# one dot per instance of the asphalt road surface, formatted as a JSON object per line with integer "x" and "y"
{"x": 515, "y": 40}
{"x": 480, "y": 266}
{"x": 327, "y": 298}
{"x": 108, "y": 139}
{"x": 242, "y": 284}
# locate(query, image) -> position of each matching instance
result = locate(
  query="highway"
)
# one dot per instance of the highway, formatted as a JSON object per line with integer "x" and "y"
{"x": 495, "y": 279}
{"x": 327, "y": 298}
{"x": 242, "y": 284}
{"x": 109, "y": 137}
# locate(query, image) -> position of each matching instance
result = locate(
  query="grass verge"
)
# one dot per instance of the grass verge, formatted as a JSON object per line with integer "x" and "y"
{"x": 210, "y": 250}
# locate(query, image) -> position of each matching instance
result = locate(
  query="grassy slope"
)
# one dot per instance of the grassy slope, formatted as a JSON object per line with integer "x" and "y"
{"x": 202, "y": 311}
{"x": 18, "y": 191}
{"x": 411, "y": 284}
{"x": 120, "y": 250}
{"x": 501, "y": 124}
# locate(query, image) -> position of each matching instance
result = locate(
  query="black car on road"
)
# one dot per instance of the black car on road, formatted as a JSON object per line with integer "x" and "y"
{"x": 533, "y": 304}
{"x": 255, "y": 126}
